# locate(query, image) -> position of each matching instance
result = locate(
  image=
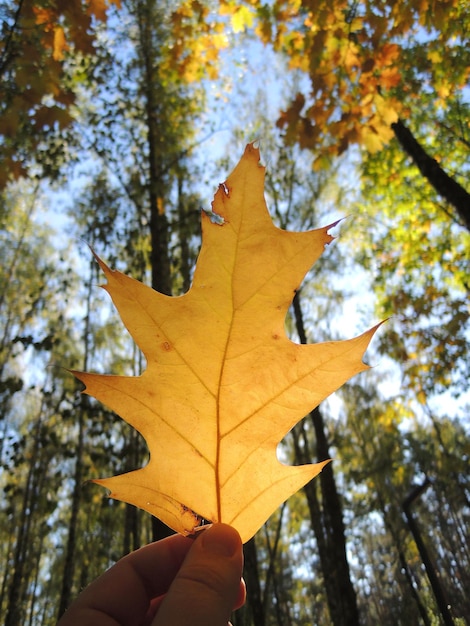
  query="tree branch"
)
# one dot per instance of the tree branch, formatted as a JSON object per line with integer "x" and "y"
{"x": 444, "y": 184}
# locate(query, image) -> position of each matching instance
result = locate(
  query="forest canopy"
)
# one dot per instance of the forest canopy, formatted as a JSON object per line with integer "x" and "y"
{"x": 118, "y": 121}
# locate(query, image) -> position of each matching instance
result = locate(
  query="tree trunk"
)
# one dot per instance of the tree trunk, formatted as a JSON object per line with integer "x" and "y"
{"x": 327, "y": 517}
{"x": 438, "y": 590}
{"x": 159, "y": 226}
{"x": 275, "y": 579}
{"x": 69, "y": 563}
{"x": 445, "y": 185}
{"x": 15, "y": 610}
{"x": 404, "y": 566}
{"x": 251, "y": 575}
{"x": 343, "y": 606}
{"x": 183, "y": 233}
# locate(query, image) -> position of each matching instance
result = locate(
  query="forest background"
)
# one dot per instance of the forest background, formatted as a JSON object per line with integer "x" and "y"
{"x": 117, "y": 122}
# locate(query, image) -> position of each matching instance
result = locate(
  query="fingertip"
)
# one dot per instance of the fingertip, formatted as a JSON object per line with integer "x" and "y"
{"x": 221, "y": 539}
{"x": 209, "y": 584}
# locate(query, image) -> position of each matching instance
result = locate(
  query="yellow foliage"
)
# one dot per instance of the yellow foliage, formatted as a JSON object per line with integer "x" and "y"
{"x": 350, "y": 50}
{"x": 241, "y": 19}
{"x": 371, "y": 139}
{"x": 386, "y": 110}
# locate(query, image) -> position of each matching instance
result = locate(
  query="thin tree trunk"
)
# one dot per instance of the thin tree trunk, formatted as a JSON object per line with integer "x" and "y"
{"x": 132, "y": 517}
{"x": 405, "y": 569}
{"x": 271, "y": 577}
{"x": 15, "y": 609}
{"x": 251, "y": 575}
{"x": 436, "y": 585}
{"x": 343, "y": 604}
{"x": 69, "y": 563}
{"x": 445, "y": 185}
{"x": 5, "y": 580}
{"x": 185, "y": 266}
{"x": 35, "y": 585}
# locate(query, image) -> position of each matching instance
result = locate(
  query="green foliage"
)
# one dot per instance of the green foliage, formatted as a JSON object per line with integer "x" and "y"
{"x": 419, "y": 259}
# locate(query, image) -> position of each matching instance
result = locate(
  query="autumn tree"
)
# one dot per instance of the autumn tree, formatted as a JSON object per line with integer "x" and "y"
{"x": 43, "y": 48}
{"x": 370, "y": 66}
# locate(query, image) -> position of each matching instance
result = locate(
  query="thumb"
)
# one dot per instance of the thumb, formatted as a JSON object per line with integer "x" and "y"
{"x": 207, "y": 586}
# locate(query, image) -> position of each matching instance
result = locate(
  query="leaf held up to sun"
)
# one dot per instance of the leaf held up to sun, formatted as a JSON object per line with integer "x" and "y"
{"x": 223, "y": 383}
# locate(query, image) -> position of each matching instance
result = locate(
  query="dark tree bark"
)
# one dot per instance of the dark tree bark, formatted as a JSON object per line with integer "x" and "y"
{"x": 159, "y": 227}
{"x": 342, "y": 603}
{"x": 327, "y": 516}
{"x": 438, "y": 590}
{"x": 274, "y": 579}
{"x": 135, "y": 457}
{"x": 251, "y": 575}
{"x": 445, "y": 185}
{"x": 407, "y": 573}
{"x": 69, "y": 563}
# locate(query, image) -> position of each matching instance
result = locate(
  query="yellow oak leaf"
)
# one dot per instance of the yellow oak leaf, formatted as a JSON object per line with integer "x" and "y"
{"x": 223, "y": 383}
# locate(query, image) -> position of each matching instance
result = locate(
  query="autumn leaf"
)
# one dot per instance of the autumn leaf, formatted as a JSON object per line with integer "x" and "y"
{"x": 60, "y": 44}
{"x": 223, "y": 384}
{"x": 242, "y": 18}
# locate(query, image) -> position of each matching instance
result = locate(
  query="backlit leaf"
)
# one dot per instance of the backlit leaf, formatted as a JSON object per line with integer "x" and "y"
{"x": 223, "y": 384}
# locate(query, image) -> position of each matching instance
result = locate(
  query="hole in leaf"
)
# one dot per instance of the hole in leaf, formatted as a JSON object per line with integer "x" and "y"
{"x": 215, "y": 218}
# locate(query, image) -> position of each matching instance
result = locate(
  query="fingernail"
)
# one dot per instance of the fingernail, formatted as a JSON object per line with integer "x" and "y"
{"x": 221, "y": 539}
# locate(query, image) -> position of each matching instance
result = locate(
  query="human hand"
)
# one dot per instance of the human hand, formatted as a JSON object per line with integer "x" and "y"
{"x": 174, "y": 582}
